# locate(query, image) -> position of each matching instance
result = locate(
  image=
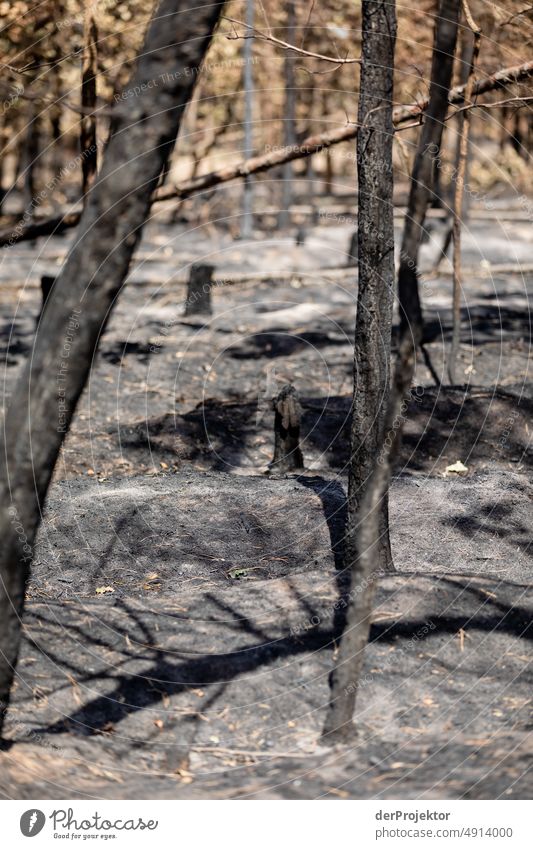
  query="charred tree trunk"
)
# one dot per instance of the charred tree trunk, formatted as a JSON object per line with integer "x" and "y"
{"x": 3, "y": 138}
{"x": 289, "y": 116}
{"x": 372, "y": 350}
{"x": 143, "y": 133}
{"x": 428, "y": 149}
{"x": 88, "y": 143}
{"x": 55, "y": 122}
{"x": 345, "y": 677}
{"x": 520, "y": 134}
{"x": 31, "y": 155}
{"x": 437, "y": 201}
{"x": 56, "y": 108}
{"x": 247, "y": 224}
{"x": 466, "y": 61}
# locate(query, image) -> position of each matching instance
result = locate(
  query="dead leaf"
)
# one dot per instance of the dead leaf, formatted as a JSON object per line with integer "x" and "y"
{"x": 102, "y": 590}
{"x": 334, "y": 791}
{"x": 184, "y": 776}
{"x": 456, "y": 468}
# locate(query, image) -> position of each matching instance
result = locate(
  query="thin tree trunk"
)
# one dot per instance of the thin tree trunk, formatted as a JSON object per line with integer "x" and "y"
{"x": 31, "y": 155}
{"x": 503, "y": 126}
{"x": 143, "y": 132}
{"x": 248, "y": 192}
{"x": 55, "y": 122}
{"x": 438, "y": 194}
{"x": 467, "y": 53}
{"x": 345, "y": 677}
{"x": 372, "y": 346}
{"x": 3, "y": 147}
{"x": 516, "y": 137}
{"x": 56, "y": 90}
{"x": 422, "y": 177}
{"x": 88, "y": 144}
{"x": 289, "y": 115}
{"x": 458, "y": 202}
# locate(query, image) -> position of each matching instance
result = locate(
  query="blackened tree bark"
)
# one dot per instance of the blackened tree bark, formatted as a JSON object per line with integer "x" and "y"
{"x": 143, "y": 132}
{"x": 372, "y": 345}
{"x": 423, "y": 169}
{"x": 345, "y": 677}
{"x": 88, "y": 144}
{"x": 375, "y": 249}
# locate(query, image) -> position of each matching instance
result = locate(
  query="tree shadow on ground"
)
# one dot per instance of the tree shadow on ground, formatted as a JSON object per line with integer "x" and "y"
{"x": 480, "y": 425}
{"x": 283, "y": 343}
{"x": 494, "y": 520}
{"x": 162, "y": 676}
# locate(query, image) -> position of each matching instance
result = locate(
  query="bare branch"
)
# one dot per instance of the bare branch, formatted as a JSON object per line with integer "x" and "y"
{"x": 516, "y": 101}
{"x": 262, "y": 36}
{"x": 516, "y": 15}
{"x": 410, "y": 115}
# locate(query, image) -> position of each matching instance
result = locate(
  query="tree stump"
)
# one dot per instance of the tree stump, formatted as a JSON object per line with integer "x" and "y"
{"x": 287, "y": 453}
{"x": 353, "y": 250}
{"x": 300, "y": 236}
{"x": 199, "y": 289}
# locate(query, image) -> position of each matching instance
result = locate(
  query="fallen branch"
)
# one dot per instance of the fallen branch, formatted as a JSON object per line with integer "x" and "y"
{"x": 258, "y": 164}
{"x": 49, "y": 226}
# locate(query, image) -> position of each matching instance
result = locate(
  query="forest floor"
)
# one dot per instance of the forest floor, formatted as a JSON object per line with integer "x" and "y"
{"x": 184, "y": 605}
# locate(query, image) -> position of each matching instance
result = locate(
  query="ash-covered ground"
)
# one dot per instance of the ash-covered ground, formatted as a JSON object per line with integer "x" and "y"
{"x": 184, "y": 606}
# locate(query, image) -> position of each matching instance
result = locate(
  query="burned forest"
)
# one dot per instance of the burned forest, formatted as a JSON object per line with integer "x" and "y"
{"x": 265, "y": 473}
